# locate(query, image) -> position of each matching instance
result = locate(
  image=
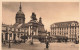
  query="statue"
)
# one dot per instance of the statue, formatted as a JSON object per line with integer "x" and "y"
{"x": 33, "y": 17}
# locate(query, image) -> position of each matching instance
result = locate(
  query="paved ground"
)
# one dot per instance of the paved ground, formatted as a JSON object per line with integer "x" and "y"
{"x": 41, "y": 46}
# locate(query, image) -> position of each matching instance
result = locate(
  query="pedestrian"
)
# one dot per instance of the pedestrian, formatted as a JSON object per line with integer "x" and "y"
{"x": 47, "y": 44}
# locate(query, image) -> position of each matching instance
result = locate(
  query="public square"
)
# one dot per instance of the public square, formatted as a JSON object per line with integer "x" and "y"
{"x": 40, "y": 26}
{"x": 42, "y": 46}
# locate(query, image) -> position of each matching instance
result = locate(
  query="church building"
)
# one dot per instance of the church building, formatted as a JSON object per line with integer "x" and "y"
{"x": 33, "y": 27}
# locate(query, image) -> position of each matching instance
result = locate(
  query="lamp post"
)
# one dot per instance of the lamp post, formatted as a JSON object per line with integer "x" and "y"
{"x": 32, "y": 35}
{"x": 32, "y": 39}
{"x": 24, "y": 35}
{"x": 47, "y": 42}
{"x": 18, "y": 34}
{"x": 47, "y": 37}
{"x": 9, "y": 38}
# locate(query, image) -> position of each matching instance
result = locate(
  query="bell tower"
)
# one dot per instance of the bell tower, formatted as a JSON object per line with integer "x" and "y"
{"x": 20, "y": 17}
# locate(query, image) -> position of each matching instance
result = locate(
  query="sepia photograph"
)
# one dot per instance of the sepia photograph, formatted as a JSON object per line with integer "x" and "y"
{"x": 40, "y": 26}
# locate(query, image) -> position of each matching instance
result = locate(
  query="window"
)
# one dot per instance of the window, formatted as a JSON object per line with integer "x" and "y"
{"x": 3, "y": 28}
{"x": 60, "y": 33}
{"x": 55, "y": 33}
{"x": 21, "y": 34}
{"x": 19, "y": 20}
{"x": 60, "y": 28}
{"x": 54, "y": 25}
{"x": 18, "y": 29}
{"x": 12, "y": 29}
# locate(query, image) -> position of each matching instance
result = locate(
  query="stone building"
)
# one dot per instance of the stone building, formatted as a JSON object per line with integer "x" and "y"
{"x": 20, "y": 28}
{"x": 8, "y": 31}
{"x": 68, "y": 29}
{"x": 4, "y": 32}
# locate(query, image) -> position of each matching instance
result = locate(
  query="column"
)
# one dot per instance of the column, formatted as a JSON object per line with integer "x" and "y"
{"x": 34, "y": 33}
{"x": 12, "y": 36}
{"x": 75, "y": 32}
{"x": 51, "y": 31}
{"x": 29, "y": 30}
{"x": 37, "y": 31}
{"x": 16, "y": 36}
{"x": 20, "y": 36}
{"x": 3, "y": 36}
{"x": 70, "y": 32}
{"x": 8, "y": 36}
{"x": 58, "y": 31}
{"x": 67, "y": 31}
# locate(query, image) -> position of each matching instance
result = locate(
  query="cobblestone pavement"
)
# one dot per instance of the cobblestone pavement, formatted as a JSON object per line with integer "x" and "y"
{"x": 41, "y": 46}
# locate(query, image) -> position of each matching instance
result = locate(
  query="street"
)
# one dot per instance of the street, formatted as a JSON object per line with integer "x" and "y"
{"x": 42, "y": 46}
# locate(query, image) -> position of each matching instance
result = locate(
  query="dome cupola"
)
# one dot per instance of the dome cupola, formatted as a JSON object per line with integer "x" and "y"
{"x": 20, "y": 17}
{"x": 20, "y": 13}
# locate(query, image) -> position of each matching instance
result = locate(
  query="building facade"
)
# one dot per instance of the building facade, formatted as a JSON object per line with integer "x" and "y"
{"x": 11, "y": 33}
{"x": 68, "y": 29}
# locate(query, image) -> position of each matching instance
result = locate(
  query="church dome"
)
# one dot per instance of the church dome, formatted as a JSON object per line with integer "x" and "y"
{"x": 20, "y": 12}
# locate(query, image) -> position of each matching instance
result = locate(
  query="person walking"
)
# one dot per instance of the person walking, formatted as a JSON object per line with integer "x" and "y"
{"x": 47, "y": 43}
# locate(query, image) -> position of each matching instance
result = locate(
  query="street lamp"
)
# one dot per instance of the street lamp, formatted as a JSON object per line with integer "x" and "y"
{"x": 24, "y": 35}
{"x": 47, "y": 37}
{"x": 32, "y": 38}
{"x": 9, "y": 38}
{"x": 47, "y": 42}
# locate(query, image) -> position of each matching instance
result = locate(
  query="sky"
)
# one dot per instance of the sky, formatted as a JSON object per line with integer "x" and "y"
{"x": 50, "y": 12}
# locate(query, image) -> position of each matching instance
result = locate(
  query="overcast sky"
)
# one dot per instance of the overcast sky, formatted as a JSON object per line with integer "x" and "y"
{"x": 50, "y": 12}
